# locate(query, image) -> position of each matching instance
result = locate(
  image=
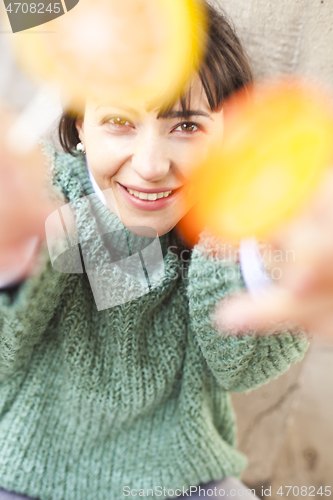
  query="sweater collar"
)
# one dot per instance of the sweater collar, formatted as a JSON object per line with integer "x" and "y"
{"x": 120, "y": 265}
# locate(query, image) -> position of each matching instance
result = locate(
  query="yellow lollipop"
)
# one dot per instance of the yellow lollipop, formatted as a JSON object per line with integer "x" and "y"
{"x": 276, "y": 145}
{"x": 128, "y": 49}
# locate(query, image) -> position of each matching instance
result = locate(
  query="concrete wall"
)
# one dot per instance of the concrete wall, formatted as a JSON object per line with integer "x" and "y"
{"x": 306, "y": 457}
{"x": 286, "y": 35}
{"x": 285, "y": 427}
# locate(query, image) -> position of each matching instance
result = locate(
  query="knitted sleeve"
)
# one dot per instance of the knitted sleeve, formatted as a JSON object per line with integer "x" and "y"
{"x": 25, "y": 314}
{"x": 27, "y": 309}
{"x": 239, "y": 363}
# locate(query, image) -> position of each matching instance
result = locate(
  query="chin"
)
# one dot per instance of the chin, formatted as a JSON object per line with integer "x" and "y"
{"x": 147, "y": 228}
{"x": 150, "y": 231}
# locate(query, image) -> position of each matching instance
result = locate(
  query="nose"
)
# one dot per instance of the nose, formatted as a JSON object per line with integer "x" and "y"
{"x": 150, "y": 159}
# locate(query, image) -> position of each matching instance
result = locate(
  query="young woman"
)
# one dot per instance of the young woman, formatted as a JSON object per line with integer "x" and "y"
{"x": 101, "y": 402}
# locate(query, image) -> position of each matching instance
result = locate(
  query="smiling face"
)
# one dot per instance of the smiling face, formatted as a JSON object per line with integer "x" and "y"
{"x": 146, "y": 158}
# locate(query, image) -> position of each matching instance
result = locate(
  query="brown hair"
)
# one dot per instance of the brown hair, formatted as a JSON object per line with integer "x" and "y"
{"x": 225, "y": 69}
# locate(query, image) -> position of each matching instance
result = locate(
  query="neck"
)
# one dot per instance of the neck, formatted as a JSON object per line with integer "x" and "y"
{"x": 97, "y": 189}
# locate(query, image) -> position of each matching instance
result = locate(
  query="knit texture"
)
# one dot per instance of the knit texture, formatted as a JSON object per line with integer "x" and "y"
{"x": 135, "y": 395}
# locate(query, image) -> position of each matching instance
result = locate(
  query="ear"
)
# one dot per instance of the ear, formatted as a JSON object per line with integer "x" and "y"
{"x": 80, "y": 128}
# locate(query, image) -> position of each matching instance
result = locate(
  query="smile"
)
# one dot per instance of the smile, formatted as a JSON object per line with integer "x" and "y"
{"x": 149, "y": 200}
{"x": 149, "y": 196}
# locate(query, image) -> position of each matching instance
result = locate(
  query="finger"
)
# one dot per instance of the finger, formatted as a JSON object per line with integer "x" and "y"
{"x": 317, "y": 314}
{"x": 16, "y": 263}
{"x": 243, "y": 312}
{"x": 322, "y": 328}
{"x": 25, "y": 219}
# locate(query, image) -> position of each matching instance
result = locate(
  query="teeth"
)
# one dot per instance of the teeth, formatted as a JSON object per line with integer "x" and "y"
{"x": 149, "y": 196}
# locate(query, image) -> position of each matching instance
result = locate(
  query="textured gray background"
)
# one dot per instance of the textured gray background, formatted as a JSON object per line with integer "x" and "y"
{"x": 286, "y": 35}
{"x": 285, "y": 427}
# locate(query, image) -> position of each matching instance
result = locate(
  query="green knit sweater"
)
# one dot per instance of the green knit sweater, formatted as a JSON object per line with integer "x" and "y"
{"x": 135, "y": 395}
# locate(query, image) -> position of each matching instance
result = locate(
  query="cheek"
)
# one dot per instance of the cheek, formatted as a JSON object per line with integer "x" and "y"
{"x": 105, "y": 155}
{"x": 187, "y": 157}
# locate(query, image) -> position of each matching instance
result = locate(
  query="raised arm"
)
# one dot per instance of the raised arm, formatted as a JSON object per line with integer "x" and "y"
{"x": 25, "y": 309}
{"x": 243, "y": 362}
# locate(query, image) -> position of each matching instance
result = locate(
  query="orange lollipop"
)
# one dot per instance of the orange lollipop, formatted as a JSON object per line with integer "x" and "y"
{"x": 278, "y": 140}
{"x": 110, "y": 49}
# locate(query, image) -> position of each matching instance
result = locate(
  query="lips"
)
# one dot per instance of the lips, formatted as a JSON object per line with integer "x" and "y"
{"x": 148, "y": 190}
{"x": 148, "y": 199}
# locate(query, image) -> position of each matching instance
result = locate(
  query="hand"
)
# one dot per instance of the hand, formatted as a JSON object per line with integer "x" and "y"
{"x": 304, "y": 293}
{"x": 23, "y": 208}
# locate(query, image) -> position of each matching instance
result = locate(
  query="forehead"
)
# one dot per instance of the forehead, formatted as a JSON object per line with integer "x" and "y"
{"x": 193, "y": 97}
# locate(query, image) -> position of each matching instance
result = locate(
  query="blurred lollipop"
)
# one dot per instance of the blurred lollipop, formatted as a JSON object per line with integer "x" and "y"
{"x": 111, "y": 49}
{"x": 278, "y": 141}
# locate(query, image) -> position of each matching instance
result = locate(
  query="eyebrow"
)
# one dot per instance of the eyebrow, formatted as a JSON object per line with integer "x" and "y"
{"x": 171, "y": 114}
{"x": 185, "y": 114}
{"x": 121, "y": 108}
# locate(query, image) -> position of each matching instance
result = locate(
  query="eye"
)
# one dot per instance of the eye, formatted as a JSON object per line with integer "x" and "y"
{"x": 187, "y": 127}
{"x": 120, "y": 121}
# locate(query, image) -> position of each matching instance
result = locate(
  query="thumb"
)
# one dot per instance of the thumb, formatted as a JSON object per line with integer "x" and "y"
{"x": 243, "y": 312}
